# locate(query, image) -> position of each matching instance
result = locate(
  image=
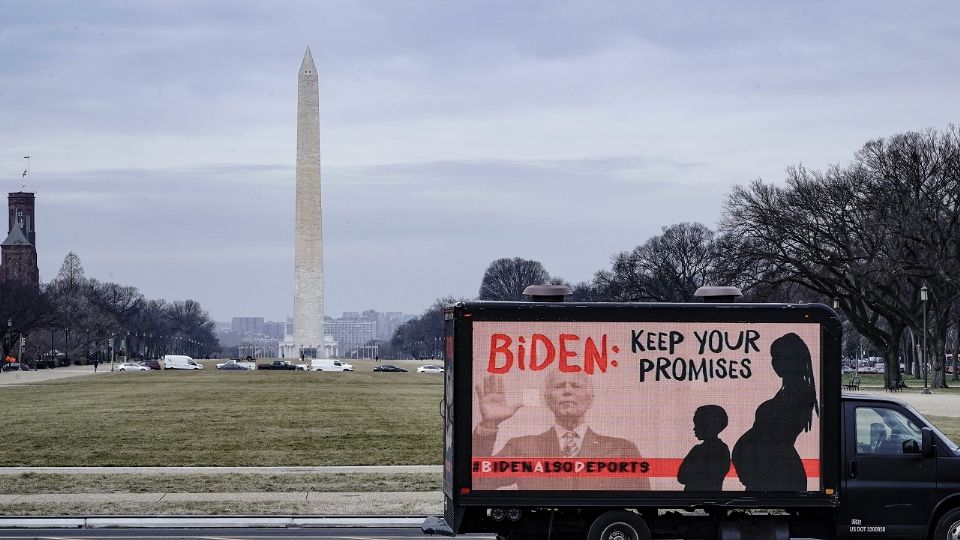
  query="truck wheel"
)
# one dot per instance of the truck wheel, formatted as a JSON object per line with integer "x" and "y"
{"x": 619, "y": 525}
{"x": 949, "y": 526}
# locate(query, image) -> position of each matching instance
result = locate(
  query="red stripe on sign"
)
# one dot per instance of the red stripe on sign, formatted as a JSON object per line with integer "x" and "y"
{"x": 613, "y": 467}
{"x": 527, "y": 467}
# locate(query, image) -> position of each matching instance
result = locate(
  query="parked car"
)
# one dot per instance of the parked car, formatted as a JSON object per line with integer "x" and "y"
{"x": 389, "y": 368}
{"x": 847, "y": 369}
{"x": 429, "y": 369}
{"x": 16, "y": 366}
{"x": 237, "y": 362}
{"x": 131, "y": 366}
{"x": 282, "y": 365}
{"x": 232, "y": 366}
{"x": 152, "y": 364}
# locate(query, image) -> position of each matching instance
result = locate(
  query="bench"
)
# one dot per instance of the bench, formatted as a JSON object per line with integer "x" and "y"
{"x": 852, "y": 384}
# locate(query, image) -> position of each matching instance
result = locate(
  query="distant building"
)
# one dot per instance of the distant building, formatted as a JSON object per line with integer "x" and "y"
{"x": 351, "y": 333}
{"x": 18, "y": 253}
{"x": 273, "y": 329}
{"x": 247, "y": 325}
{"x": 348, "y": 336}
{"x": 387, "y": 323}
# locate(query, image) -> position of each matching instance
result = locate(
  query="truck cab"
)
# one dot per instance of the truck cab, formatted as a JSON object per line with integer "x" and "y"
{"x": 901, "y": 474}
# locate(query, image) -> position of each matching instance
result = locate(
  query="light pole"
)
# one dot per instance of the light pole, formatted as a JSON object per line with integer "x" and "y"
{"x": 923, "y": 355}
{"x": 9, "y": 330}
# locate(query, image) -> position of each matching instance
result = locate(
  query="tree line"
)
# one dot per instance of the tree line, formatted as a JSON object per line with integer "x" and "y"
{"x": 866, "y": 237}
{"x": 76, "y": 319}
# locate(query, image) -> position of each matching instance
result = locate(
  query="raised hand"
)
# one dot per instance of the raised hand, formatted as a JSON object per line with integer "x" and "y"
{"x": 495, "y": 406}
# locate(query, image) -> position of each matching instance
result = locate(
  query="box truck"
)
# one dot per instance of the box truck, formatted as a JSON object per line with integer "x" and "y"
{"x": 180, "y": 361}
{"x": 634, "y": 421}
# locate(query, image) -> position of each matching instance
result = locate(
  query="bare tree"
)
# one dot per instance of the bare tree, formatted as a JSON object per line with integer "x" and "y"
{"x": 23, "y": 310}
{"x": 869, "y": 235}
{"x": 669, "y": 267}
{"x": 423, "y": 337}
{"x": 505, "y": 279}
{"x": 71, "y": 295}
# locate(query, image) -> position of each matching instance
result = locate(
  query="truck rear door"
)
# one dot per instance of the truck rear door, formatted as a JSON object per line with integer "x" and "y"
{"x": 889, "y": 487}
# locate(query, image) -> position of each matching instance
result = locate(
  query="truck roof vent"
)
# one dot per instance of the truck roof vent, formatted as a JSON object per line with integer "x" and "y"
{"x": 711, "y": 294}
{"x": 547, "y": 293}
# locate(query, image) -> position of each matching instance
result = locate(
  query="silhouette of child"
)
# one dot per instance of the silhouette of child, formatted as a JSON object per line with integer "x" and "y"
{"x": 708, "y": 462}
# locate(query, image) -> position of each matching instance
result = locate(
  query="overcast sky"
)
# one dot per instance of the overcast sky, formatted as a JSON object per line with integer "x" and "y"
{"x": 162, "y": 134}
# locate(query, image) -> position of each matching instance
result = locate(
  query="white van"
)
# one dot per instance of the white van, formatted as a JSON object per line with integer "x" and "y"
{"x": 179, "y": 361}
{"x": 329, "y": 364}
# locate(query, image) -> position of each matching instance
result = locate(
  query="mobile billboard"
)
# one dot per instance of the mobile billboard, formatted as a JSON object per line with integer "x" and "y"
{"x": 635, "y": 406}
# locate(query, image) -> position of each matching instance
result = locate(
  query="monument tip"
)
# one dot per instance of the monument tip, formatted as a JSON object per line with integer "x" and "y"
{"x": 307, "y": 65}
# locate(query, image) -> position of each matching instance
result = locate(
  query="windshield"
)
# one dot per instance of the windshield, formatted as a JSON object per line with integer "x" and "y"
{"x": 950, "y": 444}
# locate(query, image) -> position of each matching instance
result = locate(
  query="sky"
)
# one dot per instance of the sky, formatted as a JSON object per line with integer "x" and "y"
{"x": 162, "y": 135}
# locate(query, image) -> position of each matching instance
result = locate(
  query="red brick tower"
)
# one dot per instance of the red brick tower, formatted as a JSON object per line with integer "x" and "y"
{"x": 18, "y": 253}
{"x": 21, "y": 206}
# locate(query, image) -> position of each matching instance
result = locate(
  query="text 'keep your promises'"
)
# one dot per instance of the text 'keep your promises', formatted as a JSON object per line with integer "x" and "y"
{"x": 719, "y": 354}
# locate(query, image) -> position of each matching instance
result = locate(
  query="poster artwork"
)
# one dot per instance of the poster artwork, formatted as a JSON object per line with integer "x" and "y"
{"x": 646, "y": 406}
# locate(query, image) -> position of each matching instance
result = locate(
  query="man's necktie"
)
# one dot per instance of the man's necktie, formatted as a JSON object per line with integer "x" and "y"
{"x": 570, "y": 444}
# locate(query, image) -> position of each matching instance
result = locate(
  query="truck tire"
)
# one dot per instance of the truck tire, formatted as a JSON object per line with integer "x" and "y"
{"x": 619, "y": 525}
{"x": 948, "y": 528}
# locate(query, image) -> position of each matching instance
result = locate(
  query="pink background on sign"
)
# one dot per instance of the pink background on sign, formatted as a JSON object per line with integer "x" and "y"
{"x": 656, "y": 415}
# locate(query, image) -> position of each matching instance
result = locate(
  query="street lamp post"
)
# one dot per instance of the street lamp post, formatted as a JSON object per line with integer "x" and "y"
{"x": 923, "y": 354}
{"x": 9, "y": 330}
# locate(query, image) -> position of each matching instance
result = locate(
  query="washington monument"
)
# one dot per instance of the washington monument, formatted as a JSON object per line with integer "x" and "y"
{"x": 308, "y": 246}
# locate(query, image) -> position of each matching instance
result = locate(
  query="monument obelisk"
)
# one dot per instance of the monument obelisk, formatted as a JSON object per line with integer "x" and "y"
{"x": 308, "y": 246}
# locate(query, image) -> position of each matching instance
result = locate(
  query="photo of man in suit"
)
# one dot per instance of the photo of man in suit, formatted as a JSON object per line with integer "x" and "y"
{"x": 569, "y": 395}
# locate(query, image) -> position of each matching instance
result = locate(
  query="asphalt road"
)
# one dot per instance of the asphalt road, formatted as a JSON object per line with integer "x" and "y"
{"x": 228, "y": 534}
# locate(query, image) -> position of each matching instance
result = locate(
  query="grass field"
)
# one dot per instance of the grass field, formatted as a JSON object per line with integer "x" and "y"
{"x": 259, "y": 418}
{"x": 211, "y": 417}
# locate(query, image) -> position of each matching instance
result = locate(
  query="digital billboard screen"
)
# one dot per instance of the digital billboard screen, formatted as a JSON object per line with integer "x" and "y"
{"x": 646, "y": 406}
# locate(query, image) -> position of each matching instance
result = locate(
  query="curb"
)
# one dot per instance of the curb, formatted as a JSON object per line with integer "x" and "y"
{"x": 198, "y": 522}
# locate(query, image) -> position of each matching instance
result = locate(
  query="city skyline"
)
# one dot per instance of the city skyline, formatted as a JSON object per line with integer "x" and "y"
{"x": 161, "y": 136}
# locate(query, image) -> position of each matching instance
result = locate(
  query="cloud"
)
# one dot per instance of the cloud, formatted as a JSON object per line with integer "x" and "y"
{"x": 452, "y": 134}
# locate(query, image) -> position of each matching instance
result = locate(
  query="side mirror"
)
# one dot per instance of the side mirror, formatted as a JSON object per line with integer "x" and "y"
{"x": 926, "y": 442}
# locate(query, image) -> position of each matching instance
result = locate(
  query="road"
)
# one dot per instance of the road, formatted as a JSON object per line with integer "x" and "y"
{"x": 397, "y": 533}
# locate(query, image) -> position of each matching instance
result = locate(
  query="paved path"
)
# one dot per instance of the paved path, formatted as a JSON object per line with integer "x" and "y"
{"x": 935, "y": 404}
{"x": 13, "y": 378}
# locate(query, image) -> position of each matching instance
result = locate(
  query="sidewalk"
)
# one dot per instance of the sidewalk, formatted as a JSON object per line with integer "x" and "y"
{"x": 13, "y": 378}
{"x": 935, "y": 404}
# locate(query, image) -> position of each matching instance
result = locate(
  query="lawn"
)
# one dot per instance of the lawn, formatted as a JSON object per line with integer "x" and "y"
{"x": 259, "y": 418}
{"x": 210, "y": 417}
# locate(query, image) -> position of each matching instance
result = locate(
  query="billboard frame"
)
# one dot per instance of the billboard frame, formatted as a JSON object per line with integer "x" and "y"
{"x": 459, "y": 328}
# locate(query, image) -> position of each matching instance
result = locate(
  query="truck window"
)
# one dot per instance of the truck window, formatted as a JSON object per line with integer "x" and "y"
{"x": 883, "y": 431}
